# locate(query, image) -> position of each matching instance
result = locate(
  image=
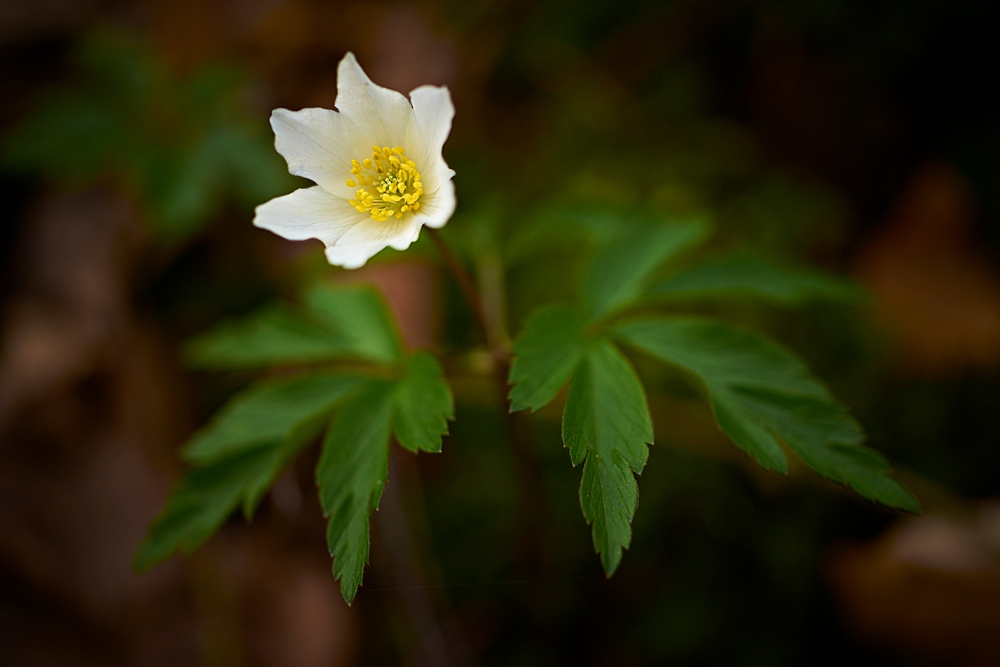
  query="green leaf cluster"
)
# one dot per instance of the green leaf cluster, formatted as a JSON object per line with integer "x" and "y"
{"x": 358, "y": 390}
{"x": 762, "y": 397}
{"x": 183, "y": 145}
{"x": 368, "y": 392}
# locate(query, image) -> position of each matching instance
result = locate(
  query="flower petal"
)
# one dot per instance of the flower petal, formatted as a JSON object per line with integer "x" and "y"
{"x": 368, "y": 238}
{"x": 319, "y": 144}
{"x": 435, "y": 175}
{"x": 425, "y": 137}
{"x": 309, "y": 213}
{"x": 429, "y": 125}
{"x": 378, "y": 112}
{"x": 436, "y": 207}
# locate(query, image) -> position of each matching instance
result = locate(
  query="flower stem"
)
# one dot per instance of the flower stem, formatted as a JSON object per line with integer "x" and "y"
{"x": 487, "y": 306}
{"x": 491, "y": 331}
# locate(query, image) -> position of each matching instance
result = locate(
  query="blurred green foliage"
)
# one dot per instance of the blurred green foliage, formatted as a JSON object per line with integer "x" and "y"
{"x": 182, "y": 145}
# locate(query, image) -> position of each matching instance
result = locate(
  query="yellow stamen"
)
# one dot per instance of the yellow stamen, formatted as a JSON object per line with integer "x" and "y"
{"x": 390, "y": 184}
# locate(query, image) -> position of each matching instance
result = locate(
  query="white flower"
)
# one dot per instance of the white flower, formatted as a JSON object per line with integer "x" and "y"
{"x": 377, "y": 164}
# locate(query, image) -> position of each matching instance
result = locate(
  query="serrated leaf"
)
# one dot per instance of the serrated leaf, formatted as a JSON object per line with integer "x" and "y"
{"x": 746, "y": 275}
{"x": 358, "y": 313}
{"x": 609, "y": 496}
{"x": 204, "y": 499}
{"x": 424, "y": 404}
{"x": 760, "y": 394}
{"x": 238, "y": 457}
{"x": 617, "y": 273}
{"x": 342, "y": 322}
{"x": 351, "y": 475}
{"x": 545, "y": 354}
{"x": 606, "y": 421}
{"x": 828, "y": 441}
{"x": 270, "y": 412}
{"x": 270, "y": 337}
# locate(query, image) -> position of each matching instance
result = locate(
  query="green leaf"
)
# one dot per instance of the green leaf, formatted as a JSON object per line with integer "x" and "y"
{"x": 609, "y": 496}
{"x": 67, "y": 136}
{"x": 270, "y": 337}
{"x": 745, "y": 275}
{"x": 342, "y": 322}
{"x": 545, "y": 354}
{"x": 761, "y": 394}
{"x": 270, "y": 412}
{"x": 424, "y": 405}
{"x": 187, "y": 184}
{"x": 183, "y": 187}
{"x": 557, "y": 227}
{"x": 238, "y": 457}
{"x": 617, "y": 273}
{"x": 351, "y": 474}
{"x": 197, "y": 507}
{"x": 828, "y": 441}
{"x": 606, "y": 421}
{"x": 360, "y": 316}
{"x": 183, "y": 145}
{"x": 257, "y": 170}
{"x": 205, "y": 498}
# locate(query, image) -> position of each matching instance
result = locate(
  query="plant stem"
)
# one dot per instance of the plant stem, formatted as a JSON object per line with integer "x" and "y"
{"x": 490, "y": 328}
{"x": 488, "y": 306}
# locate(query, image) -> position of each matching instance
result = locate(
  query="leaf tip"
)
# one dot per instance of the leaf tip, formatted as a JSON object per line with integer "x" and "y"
{"x": 349, "y": 588}
{"x": 909, "y": 503}
{"x": 146, "y": 558}
{"x": 610, "y": 560}
{"x": 517, "y": 405}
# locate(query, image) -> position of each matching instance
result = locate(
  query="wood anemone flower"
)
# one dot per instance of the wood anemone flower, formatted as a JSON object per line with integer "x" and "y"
{"x": 377, "y": 165}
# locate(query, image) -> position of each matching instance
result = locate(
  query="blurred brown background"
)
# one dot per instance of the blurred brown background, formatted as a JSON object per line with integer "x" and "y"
{"x": 861, "y": 136}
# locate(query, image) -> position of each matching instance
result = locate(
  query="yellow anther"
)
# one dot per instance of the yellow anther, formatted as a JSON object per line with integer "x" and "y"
{"x": 389, "y": 184}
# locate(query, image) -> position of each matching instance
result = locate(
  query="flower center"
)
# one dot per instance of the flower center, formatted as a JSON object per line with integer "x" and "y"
{"x": 388, "y": 184}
